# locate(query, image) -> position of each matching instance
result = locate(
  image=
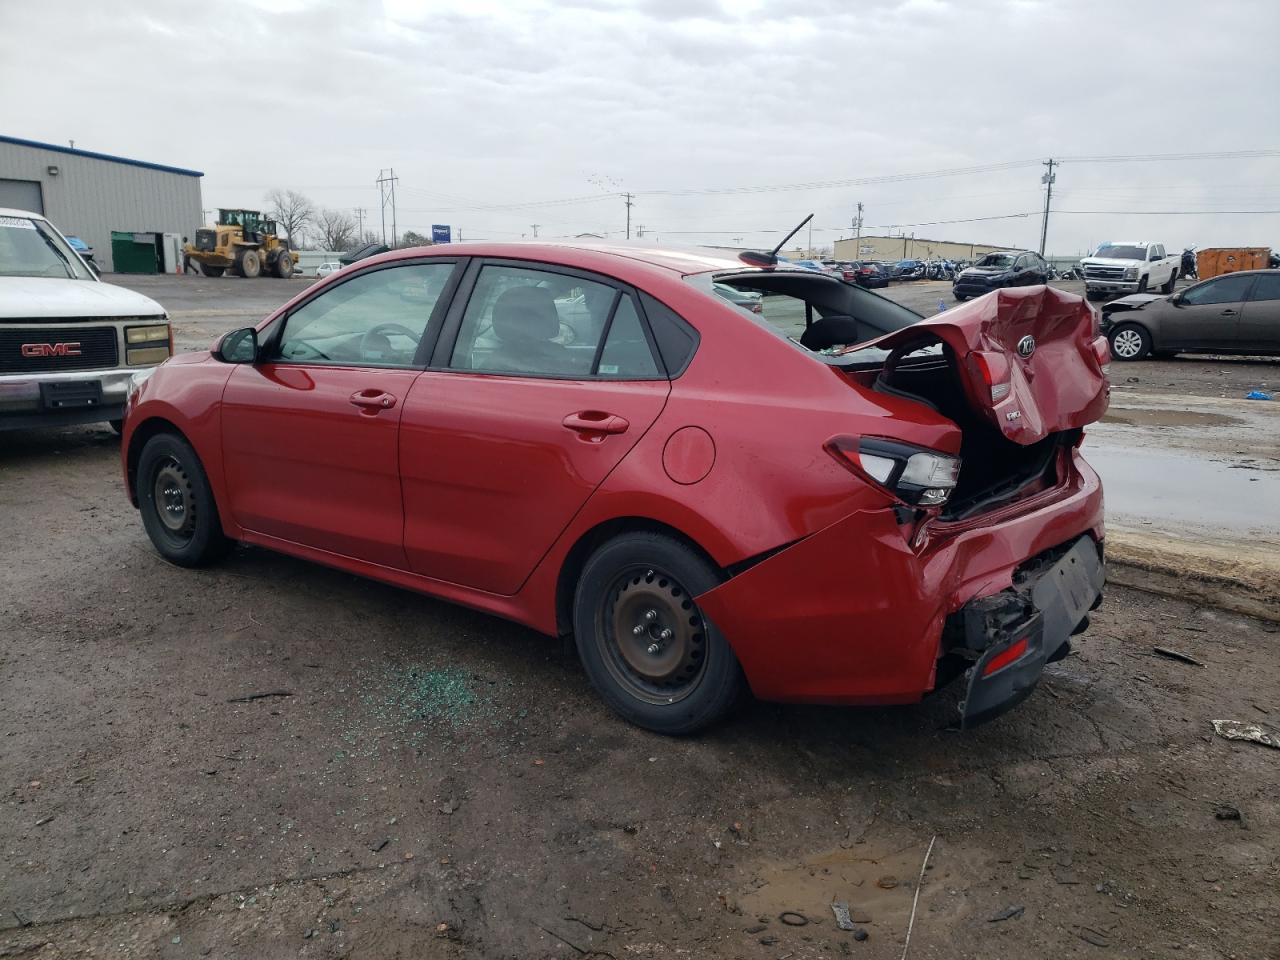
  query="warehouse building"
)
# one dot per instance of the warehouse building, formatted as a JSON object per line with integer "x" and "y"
{"x": 910, "y": 248}
{"x": 93, "y": 195}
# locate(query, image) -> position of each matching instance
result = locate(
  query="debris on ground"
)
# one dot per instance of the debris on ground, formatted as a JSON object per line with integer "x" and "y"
{"x": 1253, "y": 732}
{"x": 860, "y": 934}
{"x": 1177, "y": 655}
{"x": 1227, "y": 812}
{"x": 915, "y": 901}
{"x": 793, "y": 918}
{"x": 843, "y": 920}
{"x": 249, "y": 697}
{"x": 1089, "y": 935}
{"x": 1008, "y": 913}
{"x": 1258, "y": 395}
{"x": 887, "y": 883}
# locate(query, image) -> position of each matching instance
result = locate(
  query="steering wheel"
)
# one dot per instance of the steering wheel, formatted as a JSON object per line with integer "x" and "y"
{"x": 385, "y": 328}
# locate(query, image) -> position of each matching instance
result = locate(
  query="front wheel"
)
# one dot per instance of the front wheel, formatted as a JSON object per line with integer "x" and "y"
{"x": 1168, "y": 284}
{"x": 284, "y": 265}
{"x": 1130, "y": 342}
{"x": 209, "y": 271}
{"x": 645, "y": 645}
{"x": 176, "y": 502}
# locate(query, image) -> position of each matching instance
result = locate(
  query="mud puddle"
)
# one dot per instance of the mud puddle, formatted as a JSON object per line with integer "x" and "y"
{"x": 1153, "y": 417}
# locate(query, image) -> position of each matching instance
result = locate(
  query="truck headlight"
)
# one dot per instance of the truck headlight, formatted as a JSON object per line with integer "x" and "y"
{"x": 1131, "y": 273}
{"x": 151, "y": 343}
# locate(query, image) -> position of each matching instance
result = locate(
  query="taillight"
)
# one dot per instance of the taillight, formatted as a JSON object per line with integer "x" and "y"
{"x": 1005, "y": 657}
{"x": 994, "y": 370}
{"x": 912, "y": 474}
{"x": 1102, "y": 350}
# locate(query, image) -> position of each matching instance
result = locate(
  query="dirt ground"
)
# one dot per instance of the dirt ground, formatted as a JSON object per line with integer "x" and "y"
{"x": 426, "y": 781}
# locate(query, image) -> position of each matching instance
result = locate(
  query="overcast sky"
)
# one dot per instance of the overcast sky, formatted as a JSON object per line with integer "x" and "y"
{"x": 487, "y": 106}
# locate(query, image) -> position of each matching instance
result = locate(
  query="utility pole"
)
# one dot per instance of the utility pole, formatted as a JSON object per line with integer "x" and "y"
{"x": 857, "y": 229}
{"x": 1047, "y": 179}
{"x": 628, "y": 200}
{"x": 387, "y": 194}
{"x": 360, "y": 212}
{"x": 640, "y": 231}
{"x": 535, "y": 227}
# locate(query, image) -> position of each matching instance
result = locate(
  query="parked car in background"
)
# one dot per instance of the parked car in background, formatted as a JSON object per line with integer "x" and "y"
{"x": 748, "y": 300}
{"x": 1008, "y": 268}
{"x": 814, "y": 265}
{"x": 327, "y": 268}
{"x": 677, "y": 490}
{"x": 1130, "y": 266}
{"x": 1233, "y": 313}
{"x": 85, "y": 251}
{"x": 908, "y": 270}
{"x": 70, "y": 345}
{"x": 869, "y": 274}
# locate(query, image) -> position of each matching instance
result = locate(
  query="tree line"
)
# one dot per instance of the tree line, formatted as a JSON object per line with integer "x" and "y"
{"x": 310, "y": 227}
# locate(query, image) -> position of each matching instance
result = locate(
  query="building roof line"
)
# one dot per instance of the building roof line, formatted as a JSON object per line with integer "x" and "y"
{"x": 99, "y": 156}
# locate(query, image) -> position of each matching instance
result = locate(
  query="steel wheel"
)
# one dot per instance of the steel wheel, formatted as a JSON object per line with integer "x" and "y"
{"x": 174, "y": 498}
{"x": 652, "y": 636}
{"x": 1128, "y": 344}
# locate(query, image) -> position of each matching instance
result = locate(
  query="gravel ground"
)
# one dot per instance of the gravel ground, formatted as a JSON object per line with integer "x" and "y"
{"x": 426, "y": 781}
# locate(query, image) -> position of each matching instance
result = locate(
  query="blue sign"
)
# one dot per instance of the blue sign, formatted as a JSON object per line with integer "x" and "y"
{"x": 440, "y": 233}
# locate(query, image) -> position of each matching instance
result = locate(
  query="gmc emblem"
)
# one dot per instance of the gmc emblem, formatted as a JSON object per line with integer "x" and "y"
{"x": 51, "y": 349}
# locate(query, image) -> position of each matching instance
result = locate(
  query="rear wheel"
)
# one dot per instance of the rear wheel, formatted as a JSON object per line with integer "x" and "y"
{"x": 248, "y": 263}
{"x": 1130, "y": 342}
{"x": 209, "y": 271}
{"x": 1168, "y": 286}
{"x": 284, "y": 265}
{"x": 959, "y": 296}
{"x": 644, "y": 643}
{"x": 177, "y": 505}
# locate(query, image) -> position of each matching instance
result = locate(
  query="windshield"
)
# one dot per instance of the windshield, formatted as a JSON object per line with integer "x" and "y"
{"x": 997, "y": 260}
{"x": 29, "y": 248}
{"x": 1121, "y": 251}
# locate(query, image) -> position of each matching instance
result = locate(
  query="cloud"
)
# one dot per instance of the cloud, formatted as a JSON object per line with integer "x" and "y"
{"x": 505, "y": 101}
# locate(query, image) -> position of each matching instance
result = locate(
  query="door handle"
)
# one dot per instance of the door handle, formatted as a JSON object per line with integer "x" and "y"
{"x": 1228, "y": 313}
{"x": 595, "y": 421}
{"x": 373, "y": 399}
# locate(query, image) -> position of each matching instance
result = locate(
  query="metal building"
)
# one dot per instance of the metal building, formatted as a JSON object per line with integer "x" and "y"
{"x": 89, "y": 194}
{"x": 911, "y": 248}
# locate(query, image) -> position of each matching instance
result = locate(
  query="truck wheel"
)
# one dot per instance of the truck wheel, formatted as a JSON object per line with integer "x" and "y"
{"x": 1142, "y": 285}
{"x": 1168, "y": 287}
{"x": 176, "y": 502}
{"x": 1130, "y": 342}
{"x": 284, "y": 265}
{"x": 248, "y": 263}
{"x": 648, "y": 650}
{"x": 209, "y": 271}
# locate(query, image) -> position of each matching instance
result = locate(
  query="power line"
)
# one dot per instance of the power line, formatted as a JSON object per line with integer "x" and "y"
{"x": 1170, "y": 213}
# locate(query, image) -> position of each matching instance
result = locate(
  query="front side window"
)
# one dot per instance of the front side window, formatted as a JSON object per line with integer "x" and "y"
{"x": 1221, "y": 290}
{"x": 532, "y": 322}
{"x": 374, "y": 319}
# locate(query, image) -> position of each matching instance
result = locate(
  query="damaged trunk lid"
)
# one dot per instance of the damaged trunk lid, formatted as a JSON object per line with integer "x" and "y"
{"x": 1030, "y": 360}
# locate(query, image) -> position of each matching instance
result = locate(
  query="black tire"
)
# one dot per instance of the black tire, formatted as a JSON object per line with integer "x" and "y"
{"x": 117, "y": 426}
{"x": 1169, "y": 284}
{"x": 248, "y": 264}
{"x": 693, "y": 679}
{"x": 176, "y": 502}
{"x": 209, "y": 271}
{"x": 1129, "y": 341}
{"x": 959, "y": 296}
{"x": 284, "y": 265}
{"x": 1142, "y": 285}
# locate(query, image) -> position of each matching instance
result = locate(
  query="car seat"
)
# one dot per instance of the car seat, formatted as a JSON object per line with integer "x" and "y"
{"x": 525, "y": 321}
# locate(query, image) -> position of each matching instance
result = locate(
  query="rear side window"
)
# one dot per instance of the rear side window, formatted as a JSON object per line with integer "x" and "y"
{"x": 626, "y": 354}
{"x": 1267, "y": 287}
{"x": 677, "y": 341}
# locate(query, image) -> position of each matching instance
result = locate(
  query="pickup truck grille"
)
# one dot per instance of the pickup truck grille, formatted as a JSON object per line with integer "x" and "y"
{"x": 58, "y": 349}
{"x": 1103, "y": 273}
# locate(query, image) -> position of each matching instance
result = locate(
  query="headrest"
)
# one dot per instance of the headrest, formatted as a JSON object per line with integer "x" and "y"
{"x": 526, "y": 313}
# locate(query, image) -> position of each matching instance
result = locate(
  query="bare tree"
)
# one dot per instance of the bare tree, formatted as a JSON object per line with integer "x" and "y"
{"x": 336, "y": 230}
{"x": 291, "y": 210}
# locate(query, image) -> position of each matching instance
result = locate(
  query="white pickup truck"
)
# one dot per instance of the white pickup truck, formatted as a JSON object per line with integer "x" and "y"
{"x": 1130, "y": 266}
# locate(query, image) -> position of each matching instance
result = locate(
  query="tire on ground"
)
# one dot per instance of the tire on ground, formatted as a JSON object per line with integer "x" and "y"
{"x": 211, "y": 271}
{"x": 248, "y": 263}
{"x": 1129, "y": 341}
{"x": 171, "y": 481}
{"x": 284, "y": 265}
{"x": 649, "y": 560}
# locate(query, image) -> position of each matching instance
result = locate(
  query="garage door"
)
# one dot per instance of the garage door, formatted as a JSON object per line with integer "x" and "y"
{"x": 21, "y": 195}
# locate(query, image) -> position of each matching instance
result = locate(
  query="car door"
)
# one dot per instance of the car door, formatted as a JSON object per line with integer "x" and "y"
{"x": 309, "y": 432}
{"x": 1259, "y": 327}
{"x": 1206, "y": 316}
{"x": 547, "y": 383}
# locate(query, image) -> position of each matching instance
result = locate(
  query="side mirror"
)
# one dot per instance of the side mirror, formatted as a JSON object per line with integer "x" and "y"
{"x": 238, "y": 346}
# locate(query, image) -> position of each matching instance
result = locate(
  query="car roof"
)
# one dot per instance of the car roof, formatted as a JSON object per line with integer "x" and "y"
{"x": 13, "y": 212}
{"x": 671, "y": 259}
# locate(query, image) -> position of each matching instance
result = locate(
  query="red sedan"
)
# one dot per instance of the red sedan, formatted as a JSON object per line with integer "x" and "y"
{"x": 834, "y": 500}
